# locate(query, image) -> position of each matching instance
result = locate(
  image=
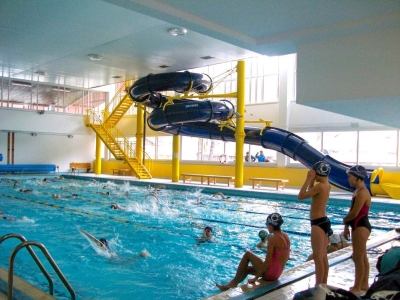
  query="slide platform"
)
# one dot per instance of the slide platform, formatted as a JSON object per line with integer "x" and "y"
{"x": 201, "y": 119}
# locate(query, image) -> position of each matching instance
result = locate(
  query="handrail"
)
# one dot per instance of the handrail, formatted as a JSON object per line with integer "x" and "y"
{"x": 93, "y": 118}
{"x": 34, "y": 256}
{"x": 50, "y": 260}
{"x": 117, "y": 97}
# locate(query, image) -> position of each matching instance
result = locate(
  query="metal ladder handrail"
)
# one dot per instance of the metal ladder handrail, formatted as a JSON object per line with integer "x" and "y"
{"x": 49, "y": 259}
{"x": 34, "y": 256}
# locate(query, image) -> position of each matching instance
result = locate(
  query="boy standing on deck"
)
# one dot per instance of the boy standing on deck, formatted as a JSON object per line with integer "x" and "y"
{"x": 320, "y": 224}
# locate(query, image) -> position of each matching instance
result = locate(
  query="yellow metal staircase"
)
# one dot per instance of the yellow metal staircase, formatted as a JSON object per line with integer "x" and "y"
{"x": 114, "y": 140}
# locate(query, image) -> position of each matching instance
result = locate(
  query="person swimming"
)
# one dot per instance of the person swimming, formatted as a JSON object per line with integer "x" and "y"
{"x": 207, "y": 235}
{"x": 263, "y": 235}
{"x": 104, "y": 243}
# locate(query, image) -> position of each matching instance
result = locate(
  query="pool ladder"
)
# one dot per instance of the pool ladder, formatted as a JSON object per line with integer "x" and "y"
{"x": 27, "y": 244}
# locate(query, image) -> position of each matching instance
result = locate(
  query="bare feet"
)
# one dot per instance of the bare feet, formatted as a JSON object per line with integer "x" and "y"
{"x": 357, "y": 292}
{"x": 224, "y": 287}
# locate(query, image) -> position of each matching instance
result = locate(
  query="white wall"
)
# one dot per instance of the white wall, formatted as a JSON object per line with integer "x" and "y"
{"x": 357, "y": 76}
{"x": 51, "y": 145}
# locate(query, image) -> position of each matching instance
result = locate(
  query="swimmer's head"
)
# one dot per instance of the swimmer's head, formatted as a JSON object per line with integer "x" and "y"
{"x": 358, "y": 171}
{"x": 114, "y": 206}
{"x": 263, "y": 234}
{"x": 275, "y": 220}
{"x": 322, "y": 168}
{"x": 209, "y": 228}
{"x": 104, "y": 242}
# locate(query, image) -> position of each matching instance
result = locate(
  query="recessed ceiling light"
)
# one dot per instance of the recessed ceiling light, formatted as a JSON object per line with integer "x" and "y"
{"x": 177, "y": 31}
{"x": 95, "y": 56}
{"x": 163, "y": 66}
{"x": 41, "y": 73}
{"x": 207, "y": 57}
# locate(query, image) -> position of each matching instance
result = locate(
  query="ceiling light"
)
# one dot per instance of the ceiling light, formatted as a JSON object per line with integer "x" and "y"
{"x": 207, "y": 57}
{"x": 177, "y": 31}
{"x": 95, "y": 56}
{"x": 21, "y": 83}
{"x": 41, "y": 73}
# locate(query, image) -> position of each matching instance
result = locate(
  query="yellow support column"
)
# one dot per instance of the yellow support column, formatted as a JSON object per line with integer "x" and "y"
{"x": 240, "y": 134}
{"x": 175, "y": 158}
{"x": 139, "y": 132}
{"x": 98, "y": 155}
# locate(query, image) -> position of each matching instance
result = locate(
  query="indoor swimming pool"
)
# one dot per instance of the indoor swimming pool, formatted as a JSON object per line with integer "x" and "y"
{"x": 166, "y": 223}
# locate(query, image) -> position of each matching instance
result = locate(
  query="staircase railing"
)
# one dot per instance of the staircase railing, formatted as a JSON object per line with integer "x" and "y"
{"x": 117, "y": 98}
{"x": 93, "y": 118}
{"x": 27, "y": 244}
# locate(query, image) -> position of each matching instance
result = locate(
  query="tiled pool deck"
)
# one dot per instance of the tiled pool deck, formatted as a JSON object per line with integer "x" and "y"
{"x": 341, "y": 272}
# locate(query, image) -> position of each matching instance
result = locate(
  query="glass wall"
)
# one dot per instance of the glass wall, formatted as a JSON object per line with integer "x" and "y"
{"x": 378, "y": 148}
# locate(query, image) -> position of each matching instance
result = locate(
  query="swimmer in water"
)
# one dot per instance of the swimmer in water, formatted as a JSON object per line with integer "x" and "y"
{"x": 103, "y": 243}
{"x": 263, "y": 235}
{"x": 6, "y": 217}
{"x": 207, "y": 235}
{"x": 57, "y": 196}
{"x": 26, "y": 191}
{"x": 116, "y": 206}
{"x": 220, "y": 194}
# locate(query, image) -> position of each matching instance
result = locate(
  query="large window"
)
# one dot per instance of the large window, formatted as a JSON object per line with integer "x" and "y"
{"x": 342, "y": 146}
{"x": 378, "y": 148}
{"x": 368, "y": 148}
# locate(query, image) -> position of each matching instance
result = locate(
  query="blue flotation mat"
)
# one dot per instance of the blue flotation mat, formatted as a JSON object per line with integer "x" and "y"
{"x": 27, "y": 168}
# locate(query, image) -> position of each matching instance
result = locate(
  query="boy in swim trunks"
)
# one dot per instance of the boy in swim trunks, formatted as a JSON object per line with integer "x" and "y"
{"x": 320, "y": 224}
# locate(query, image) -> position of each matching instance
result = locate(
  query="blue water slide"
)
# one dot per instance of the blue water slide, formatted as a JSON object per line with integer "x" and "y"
{"x": 200, "y": 119}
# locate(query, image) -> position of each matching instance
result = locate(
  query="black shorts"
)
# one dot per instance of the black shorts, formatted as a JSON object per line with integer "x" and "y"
{"x": 324, "y": 223}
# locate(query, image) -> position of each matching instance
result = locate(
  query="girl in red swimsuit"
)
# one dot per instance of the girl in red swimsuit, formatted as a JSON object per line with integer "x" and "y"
{"x": 357, "y": 219}
{"x": 272, "y": 267}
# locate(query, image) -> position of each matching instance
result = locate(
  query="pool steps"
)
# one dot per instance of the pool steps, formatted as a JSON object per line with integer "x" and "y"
{"x": 9, "y": 282}
{"x": 21, "y": 289}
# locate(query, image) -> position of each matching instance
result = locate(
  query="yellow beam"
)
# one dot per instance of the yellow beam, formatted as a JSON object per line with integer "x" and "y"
{"x": 98, "y": 156}
{"x": 175, "y": 158}
{"x": 240, "y": 133}
{"x": 139, "y": 132}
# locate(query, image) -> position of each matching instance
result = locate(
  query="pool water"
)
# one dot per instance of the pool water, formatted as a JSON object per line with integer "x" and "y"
{"x": 178, "y": 266}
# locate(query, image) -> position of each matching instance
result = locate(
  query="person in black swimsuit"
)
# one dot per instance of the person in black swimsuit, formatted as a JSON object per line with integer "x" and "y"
{"x": 357, "y": 219}
{"x": 320, "y": 224}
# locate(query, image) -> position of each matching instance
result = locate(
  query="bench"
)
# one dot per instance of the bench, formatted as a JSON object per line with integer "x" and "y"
{"x": 120, "y": 171}
{"x": 76, "y": 166}
{"x": 278, "y": 182}
{"x": 213, "y": 178}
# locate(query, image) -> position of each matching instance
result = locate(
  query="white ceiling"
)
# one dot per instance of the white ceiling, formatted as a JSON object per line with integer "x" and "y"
{"x": 54, "y": 36}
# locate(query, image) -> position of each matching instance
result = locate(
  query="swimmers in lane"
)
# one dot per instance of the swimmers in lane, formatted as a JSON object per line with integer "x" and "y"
{"x": 6, "y": 217}
{"x": 220, "y": 194}
{"x": 207, "y": 235}
{"x": 264, "y": 236}
{"x": 104, "y": 193}
{"x": 116, "y": 206}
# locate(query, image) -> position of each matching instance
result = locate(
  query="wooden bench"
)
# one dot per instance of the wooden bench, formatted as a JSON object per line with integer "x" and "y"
{"x": 120, "y": 171}
{"x": 278, "y": 182}
{"x": 77, "y": 166}
{"x": 213, "y": 178}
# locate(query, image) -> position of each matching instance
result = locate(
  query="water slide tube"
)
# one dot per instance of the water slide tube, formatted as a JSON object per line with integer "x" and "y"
{"x": 200, "y": 119}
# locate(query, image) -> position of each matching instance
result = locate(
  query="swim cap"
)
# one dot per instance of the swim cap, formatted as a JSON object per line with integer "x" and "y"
{"x": 263, "y": 234}
{"x": 104, "y": 241}
{"x": 358, "y": 171}
{"x": 275, "y": 219}
{"x": 334, "y": 238}
{"x": 322, "y": 168}
{"x": 209, "y": 228}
